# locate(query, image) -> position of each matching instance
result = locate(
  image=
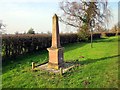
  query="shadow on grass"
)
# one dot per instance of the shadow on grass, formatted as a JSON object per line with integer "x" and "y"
{"x": 107, "y": 39}
{"x": 20, "y": 58}
{"x": 23, "y": 60}
{"x": 88, "y": 61}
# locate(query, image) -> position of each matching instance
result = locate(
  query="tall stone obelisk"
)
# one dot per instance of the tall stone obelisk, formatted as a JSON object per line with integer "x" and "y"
{"x": 56, "y": 51}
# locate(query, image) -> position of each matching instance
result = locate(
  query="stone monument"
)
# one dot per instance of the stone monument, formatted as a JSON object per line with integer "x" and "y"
{"x": 55, "y": 51}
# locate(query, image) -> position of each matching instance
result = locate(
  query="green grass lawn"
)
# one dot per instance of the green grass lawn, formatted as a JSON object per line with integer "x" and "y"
{"x": 98, "y": 69}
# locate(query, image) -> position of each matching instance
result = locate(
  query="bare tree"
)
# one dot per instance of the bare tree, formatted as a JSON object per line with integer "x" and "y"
{"x": 79, "y": 13}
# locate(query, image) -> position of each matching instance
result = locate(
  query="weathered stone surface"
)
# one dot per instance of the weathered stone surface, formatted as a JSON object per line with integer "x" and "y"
{"x": 56, "y": 51}
{"x": 55, "y": 32}
{"x": 67, "y": 67}
{"x": 55, "y": 58}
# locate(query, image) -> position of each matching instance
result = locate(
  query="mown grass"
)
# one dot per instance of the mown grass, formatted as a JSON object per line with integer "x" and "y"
{"x": 98, "y": 69}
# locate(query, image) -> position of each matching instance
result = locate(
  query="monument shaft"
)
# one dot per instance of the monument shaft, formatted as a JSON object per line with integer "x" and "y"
{"x": 56, "y": 51}
{"x": 55, "y": 32}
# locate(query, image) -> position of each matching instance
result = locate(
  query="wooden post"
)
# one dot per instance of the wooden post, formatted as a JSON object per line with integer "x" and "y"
{"x": 33, "y": 65}
{"x": 61, "y": 71}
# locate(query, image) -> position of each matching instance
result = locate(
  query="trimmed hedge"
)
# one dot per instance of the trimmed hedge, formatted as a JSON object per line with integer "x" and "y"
{"x": 110, "y": 34}
{"x": 119, "y": 33}
{"x": 68, "y": 38}
{"x": 95, "y": 36}
{"x": 14, "y": 45}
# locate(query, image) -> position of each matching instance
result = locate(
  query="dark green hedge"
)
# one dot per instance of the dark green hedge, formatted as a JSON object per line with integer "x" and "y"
{"x": 95, "y": 36}
{"x": 14, "y": 45}
{"x": 110, "y": 34}
{"x": 118, "y": 33}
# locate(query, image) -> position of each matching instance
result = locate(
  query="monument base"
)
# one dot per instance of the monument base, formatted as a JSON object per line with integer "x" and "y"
{"x": 55, "y": 57}
{"x": 67, "y": 67}
{"x": 55, "y": 66}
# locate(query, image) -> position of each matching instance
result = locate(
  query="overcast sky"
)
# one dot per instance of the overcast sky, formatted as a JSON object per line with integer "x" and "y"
{"x": 21, "y": 15}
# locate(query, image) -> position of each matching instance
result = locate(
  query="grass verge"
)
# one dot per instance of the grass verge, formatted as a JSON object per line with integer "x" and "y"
{"x": 99, "y": 67}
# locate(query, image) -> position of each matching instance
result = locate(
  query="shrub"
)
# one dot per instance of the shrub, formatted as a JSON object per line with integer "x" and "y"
{"x": 31, "y": 31}
{"x": 83, "y": 33}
